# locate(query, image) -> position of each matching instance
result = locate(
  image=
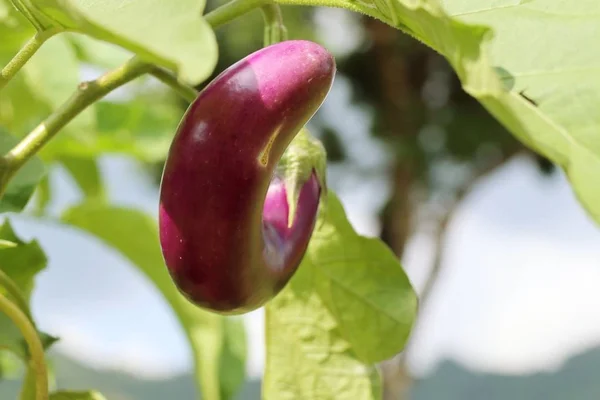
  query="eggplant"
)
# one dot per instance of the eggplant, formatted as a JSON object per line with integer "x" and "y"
{"x": 232, "y": 230}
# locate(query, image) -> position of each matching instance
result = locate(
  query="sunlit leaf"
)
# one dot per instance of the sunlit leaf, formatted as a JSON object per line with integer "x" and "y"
{"x": 170, "y": 33}
{"x": 22, "y": 185}
{"x": 349, "y": 305}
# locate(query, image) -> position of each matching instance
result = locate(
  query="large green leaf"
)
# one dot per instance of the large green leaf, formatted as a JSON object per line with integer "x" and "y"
{"x": 548, "y": 51}
{"x": 532, "y": 63}
{"x": 349, "y": 305}
{"x": 23, "y": 184}
{"x": 213, "y": 340}
{"x": 170, "y": 33}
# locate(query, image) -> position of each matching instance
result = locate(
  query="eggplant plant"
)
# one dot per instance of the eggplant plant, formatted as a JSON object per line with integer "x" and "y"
{"x": 245, "y": 218}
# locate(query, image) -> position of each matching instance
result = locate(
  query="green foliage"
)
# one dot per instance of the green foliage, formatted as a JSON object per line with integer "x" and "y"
{"x": 172, "y": 34}
{"x": 232, "y": 365}
{"x": 532, "y": 50}
{"x": 216, "y": 343}
{"x": 22, "y": 186}
{"x": 87, "y": 174}
{"x": 349, "y": 305}
{"x": 20, "y": 264}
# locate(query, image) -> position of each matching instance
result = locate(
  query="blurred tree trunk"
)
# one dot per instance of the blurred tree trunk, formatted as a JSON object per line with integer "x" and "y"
{"x": 398, "y": 67}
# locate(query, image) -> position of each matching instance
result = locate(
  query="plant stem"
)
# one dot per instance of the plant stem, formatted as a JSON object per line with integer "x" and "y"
{"x": 13, "y": 290}
{"x": 36, "y": 350}
{"x": 87, "y": 93}
{"x": 185, "y": 91}
{"x": 227, "y": 12}
{"x": 24, "y": 54}
{"x": 275, "y": 30}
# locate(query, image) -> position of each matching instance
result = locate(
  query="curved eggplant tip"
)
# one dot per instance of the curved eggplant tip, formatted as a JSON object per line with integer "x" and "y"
{"x": 285, "y": 244}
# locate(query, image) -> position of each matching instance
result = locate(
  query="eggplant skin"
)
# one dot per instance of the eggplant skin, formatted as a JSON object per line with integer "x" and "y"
{"x": 220, "y": 251}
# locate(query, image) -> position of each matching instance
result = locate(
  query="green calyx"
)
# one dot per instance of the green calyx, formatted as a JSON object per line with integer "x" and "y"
{"x": 303, "y": 156}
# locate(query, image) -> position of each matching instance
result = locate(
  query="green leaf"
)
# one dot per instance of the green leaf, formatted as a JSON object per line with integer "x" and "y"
{"x": 325, "y": 330}
{"x": 170, "y": 33}
{"x": 43, "y": 196}
{"x": 22, "y": 185}
{"x": 11, "y": 367}
{"x": 363, "y": 285}
{"x": 143, "y": 127}
{"x": 53, "y": 75}
{"x": 307, "y": 355}
{"x": 509, "y": 53}
{"x": 86, "y": 173}
{"x": 67, "y": 395}
{"x": 135, "y": 235}
{"x": 96, "y": 52}
{"x": 21, "y": 263}
{"x": 4, "y": 10}
{"x": 232, "y": 366}
{"x": 532, "y": 51}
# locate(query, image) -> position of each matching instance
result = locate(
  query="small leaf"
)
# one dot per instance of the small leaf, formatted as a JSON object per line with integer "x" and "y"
{"x": 135, "y": 235}
{"x": 80, "y": 395}
{"x": 170, "y": 33}
{"x": 233, "y": 358}
{"x": 349, "y": 305}
{"x": 22, "y": 185}
{"x": 20, "y": 263}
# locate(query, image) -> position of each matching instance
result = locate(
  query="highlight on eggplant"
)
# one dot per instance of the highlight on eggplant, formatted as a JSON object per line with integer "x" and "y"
{"x": 233, "y": 226}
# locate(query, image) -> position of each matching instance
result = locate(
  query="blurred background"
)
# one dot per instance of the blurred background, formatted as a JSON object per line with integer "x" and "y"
{"x": 505, "y": 260}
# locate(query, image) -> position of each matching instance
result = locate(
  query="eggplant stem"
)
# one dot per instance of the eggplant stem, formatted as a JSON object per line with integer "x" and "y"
{"x": 228, "y": 12}
{"x": 275, "y": 30}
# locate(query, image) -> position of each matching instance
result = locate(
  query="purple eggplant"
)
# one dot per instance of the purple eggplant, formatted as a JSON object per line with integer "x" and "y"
{"x": 227, "y": 236}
